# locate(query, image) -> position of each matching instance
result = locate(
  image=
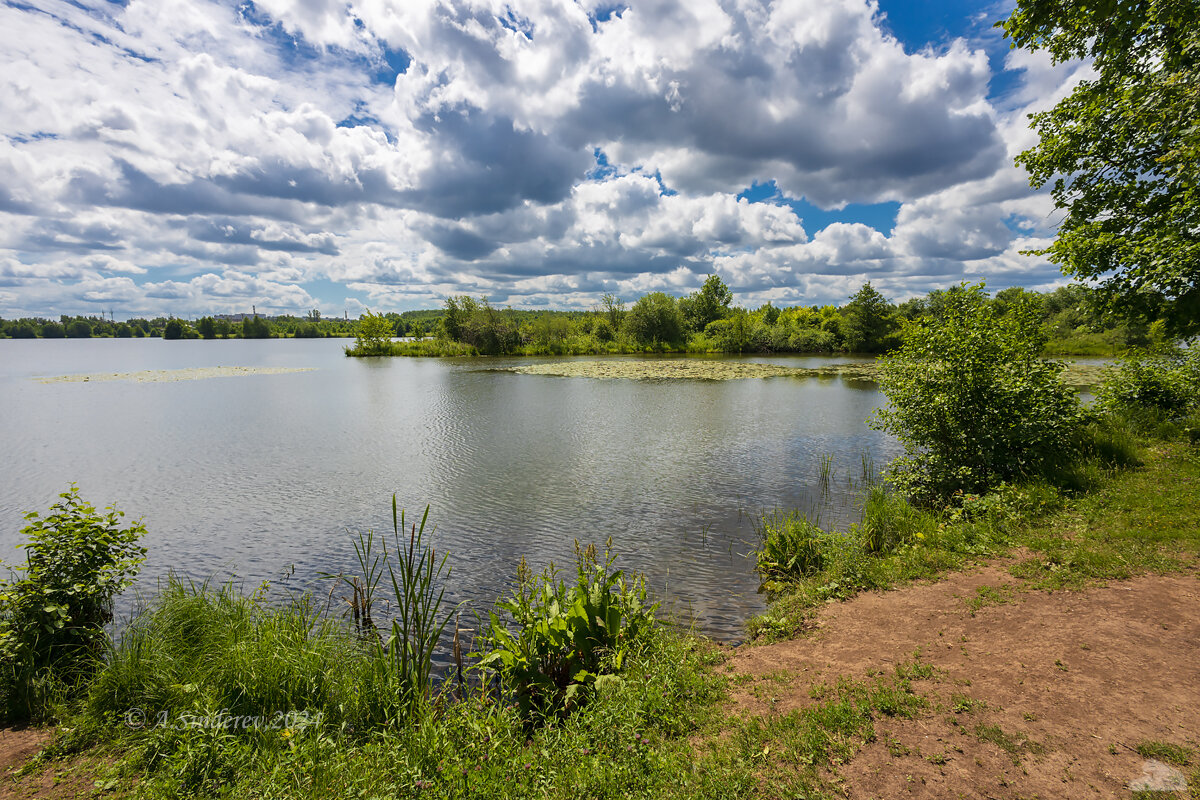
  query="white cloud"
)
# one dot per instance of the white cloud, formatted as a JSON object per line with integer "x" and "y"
{"x": 188, "y": 156}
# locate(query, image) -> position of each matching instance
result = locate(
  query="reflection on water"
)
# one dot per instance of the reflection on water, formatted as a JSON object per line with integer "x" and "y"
{"x": 255, "y": 474}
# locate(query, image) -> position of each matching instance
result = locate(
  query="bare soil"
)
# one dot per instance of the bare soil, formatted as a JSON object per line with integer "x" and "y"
{"x": 1037, "y": 694}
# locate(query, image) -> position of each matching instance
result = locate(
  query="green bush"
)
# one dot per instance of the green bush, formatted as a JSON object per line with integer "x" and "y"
{"x": 565, "y": 640}
{"x": 973, "y": 402}
{"x": 52, "y": 618}
{"x": 1164, "y": 384}
{"x": 654, "y": 320}
{"x": 374, "y": 336}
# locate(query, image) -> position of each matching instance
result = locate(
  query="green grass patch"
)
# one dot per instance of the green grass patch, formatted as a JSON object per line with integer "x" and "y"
{"x": 211, "y": 692}
{"x": 1177, "y": 754}
{"x": 1015, "y": 745}
{"x": 1140, "y": 521}
{"x": 1132, "y": 512}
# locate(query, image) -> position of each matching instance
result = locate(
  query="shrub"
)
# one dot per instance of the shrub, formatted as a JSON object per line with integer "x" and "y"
{"x": 568, "y": 639}
{"x": 973, "y": 402}
{"x": 654, "y": 320}
{"x": 1164, "y": 383}
{"x": 52, "y": 618}
{"x": 374, "y": 336}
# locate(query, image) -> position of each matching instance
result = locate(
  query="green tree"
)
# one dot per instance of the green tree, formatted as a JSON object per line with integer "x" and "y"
{"x": 374, "y": 335}
{"x": 173, "y": 329}
{"x": 972, "y": 401}
{"x": 255, "y": 328}
{"x": 53, "y": 330}
{"x": 1123, "y": 149}
{"x": 52, "y": 617}
{"x": 206, "y": 327}
{"x": 654, "y": 320}
{"x": 79, "y": 329}
{"x": 22, "y": 330}
{"x": 870, "y": 322}
{"x": 614, "y": 308}
{"x": 709, "y": 304}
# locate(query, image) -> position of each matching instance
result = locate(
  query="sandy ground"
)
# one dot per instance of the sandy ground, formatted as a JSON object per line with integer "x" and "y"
{"x": 161, "y": 375}
{"x": 1074, "y": 680}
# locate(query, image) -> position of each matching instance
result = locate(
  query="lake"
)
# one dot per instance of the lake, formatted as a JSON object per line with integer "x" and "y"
{"x": 263, "y": 477}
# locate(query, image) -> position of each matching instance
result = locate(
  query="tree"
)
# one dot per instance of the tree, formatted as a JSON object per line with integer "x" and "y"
{"x": 1123, "y": 150}
{"x": 173, "y": 329}
{"x": 972, "y": 401}
{"x": 53, "y": 330}
{"x": 255, "y": 328}
{"x": 374, "y": 335}
{"x": 654, "y": 320}
{"x": 207, "y": 327}
{"x": 614, "y": 308}
{"x": 79, "y": 329}
{"x": 871, "y": 324}
{"x": 709, "y": 304}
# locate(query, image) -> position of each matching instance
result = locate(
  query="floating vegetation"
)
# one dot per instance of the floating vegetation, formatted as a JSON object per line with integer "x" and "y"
{"x": 164, "y": 375}
{"x": 1077, "y": 376}
{"x": 688, "y": 369}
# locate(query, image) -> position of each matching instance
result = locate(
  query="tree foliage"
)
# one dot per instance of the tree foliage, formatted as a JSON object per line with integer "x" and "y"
{"x": 374, "y": 335}
{"x": 654, "y": 320}
{"x": 709, "y": 304}
{"x": 52, "y": 617}
{"x": 972, "y": 400}
{"x": 871, "y": 324}
{"x": 1122, "y": 150}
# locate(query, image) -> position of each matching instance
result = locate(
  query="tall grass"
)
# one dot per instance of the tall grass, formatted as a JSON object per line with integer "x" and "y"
{"x": 211, "y": 692}
{"x": 198, "y": 650}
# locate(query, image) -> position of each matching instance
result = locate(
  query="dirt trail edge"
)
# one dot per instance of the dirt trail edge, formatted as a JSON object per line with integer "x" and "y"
{"x": 1036, "y": 694}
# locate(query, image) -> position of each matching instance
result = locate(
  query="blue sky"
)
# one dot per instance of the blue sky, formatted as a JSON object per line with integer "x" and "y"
{"x": 205, "y": 156}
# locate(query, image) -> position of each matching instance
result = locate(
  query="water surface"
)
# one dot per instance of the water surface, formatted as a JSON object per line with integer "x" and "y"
{"x": 262, "y": 476}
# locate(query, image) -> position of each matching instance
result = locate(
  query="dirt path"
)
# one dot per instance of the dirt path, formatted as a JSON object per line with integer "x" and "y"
{"x": 1038, "y": 694}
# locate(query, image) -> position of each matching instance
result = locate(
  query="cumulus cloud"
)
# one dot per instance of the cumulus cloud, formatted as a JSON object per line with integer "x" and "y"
{"x": 189, "y": 156}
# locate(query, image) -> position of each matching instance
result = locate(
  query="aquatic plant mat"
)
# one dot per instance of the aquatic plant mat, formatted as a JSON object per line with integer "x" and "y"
{"x": 688, "y": 369}
{"x": 168, "y": 375}
{"x": 1079, "y": 376}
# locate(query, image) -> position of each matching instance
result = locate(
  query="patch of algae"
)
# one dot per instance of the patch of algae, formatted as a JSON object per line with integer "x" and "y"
{"x": 1077, "y": 376}
{"x": 167, "y": 375}
{"x": 687, "y": 369}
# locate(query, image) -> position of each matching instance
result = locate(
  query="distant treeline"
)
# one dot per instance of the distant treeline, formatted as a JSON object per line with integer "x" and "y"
{"x": 313, "y": 325}
{"x": 704, "y": 321}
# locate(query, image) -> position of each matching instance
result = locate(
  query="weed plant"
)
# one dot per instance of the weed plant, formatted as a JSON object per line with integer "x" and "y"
{"x": 561, "y": 644}
{"x": 52, "y": 616}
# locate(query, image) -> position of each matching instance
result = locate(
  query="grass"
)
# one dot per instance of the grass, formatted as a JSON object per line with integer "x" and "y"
{"x": 212, "y": 692}
{"x": 1122, "y": 522}
{"x": 1177, "y": 754}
